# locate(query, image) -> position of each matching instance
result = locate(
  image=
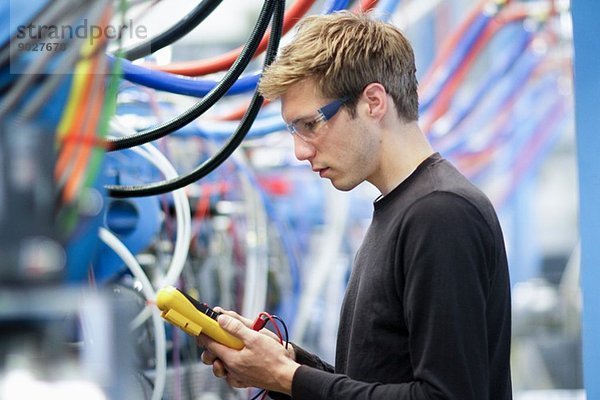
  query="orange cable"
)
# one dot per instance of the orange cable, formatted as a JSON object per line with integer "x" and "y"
{"x": 89, "y": 130}
{"x": 71, "y": 143}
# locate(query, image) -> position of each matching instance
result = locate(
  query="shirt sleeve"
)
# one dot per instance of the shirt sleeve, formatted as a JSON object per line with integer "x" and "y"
{"x": 445, "y": 251}
{"x": 304, "y": 357}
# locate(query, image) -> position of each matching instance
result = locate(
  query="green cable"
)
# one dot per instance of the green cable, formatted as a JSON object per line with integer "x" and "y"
{"x": 109, "y": 108}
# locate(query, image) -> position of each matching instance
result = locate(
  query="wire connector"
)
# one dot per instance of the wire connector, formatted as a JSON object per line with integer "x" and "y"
{"x": 260, "y": 322}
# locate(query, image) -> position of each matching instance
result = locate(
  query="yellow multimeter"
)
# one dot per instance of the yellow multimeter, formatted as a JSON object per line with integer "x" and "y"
{"x": 193, "y": 317}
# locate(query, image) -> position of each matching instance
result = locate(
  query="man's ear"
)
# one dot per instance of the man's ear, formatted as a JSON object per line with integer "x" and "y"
{"x": 377, "y": 100}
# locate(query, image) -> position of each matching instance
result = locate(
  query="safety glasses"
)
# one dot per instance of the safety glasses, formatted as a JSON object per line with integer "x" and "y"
{"x": 306, "y": 128}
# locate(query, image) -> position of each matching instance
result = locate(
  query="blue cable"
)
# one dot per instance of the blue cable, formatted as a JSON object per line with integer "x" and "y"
{"x": 333, "y": 6}
{"x": 462, "y": 49}
{"x": 180, "y": 84}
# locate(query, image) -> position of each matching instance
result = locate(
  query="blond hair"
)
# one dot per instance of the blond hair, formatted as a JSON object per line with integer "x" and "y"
{"x": 343, "y": 52}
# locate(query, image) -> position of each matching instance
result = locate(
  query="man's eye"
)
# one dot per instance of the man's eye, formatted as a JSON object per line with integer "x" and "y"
{"x": 309, "y": 126}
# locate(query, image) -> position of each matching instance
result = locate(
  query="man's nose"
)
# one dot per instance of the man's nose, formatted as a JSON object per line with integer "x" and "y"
{"x": 303, "y": 150}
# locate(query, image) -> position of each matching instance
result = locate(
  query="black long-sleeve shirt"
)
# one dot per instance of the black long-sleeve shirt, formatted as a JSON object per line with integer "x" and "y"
{"x": 426, "y": 314}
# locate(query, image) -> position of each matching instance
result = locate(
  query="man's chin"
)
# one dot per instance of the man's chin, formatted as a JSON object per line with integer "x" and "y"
{"x": 343, "y": 186}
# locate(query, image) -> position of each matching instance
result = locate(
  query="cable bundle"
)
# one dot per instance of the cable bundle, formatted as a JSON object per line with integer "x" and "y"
{"x": 271, "y": 8}
{"x": 61, "y": 84}
{"x": 467, "y": 116}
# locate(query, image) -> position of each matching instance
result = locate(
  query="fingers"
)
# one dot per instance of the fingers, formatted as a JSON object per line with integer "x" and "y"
{"x": 235, "y": 327}
{"x": 291, "y": 352}
{"x": 201, "y": 341}
{"x": 270, "y": 334}
{"x": 219, "y": 369}
{"x": 218, "y": 366}
{"x": 245, "y": 321}
{"x": 206, "y": 342}
{"x": 208, "y": 358}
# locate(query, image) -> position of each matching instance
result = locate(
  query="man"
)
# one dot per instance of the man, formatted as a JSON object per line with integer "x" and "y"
{"x": 426, "y": 314}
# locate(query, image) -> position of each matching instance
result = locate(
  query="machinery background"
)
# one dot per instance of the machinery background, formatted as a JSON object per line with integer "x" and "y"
{"x": 142, "y": 157}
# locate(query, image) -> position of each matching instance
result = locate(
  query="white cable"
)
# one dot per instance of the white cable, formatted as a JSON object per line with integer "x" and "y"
{"x": 257, "y": 258}
{"x": 182, "y": 212}
{"x": 181, "y": 202}
{"x": 160, "y": 340}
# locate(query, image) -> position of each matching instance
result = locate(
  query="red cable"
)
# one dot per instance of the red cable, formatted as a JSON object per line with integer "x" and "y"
{"x": 274, "y": 323}
{"x": 365, "y": 5}
{"x": 237, "y": 114}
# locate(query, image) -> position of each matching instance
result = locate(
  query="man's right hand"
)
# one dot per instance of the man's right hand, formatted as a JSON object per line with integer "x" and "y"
{"x": 219, "y": 368}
